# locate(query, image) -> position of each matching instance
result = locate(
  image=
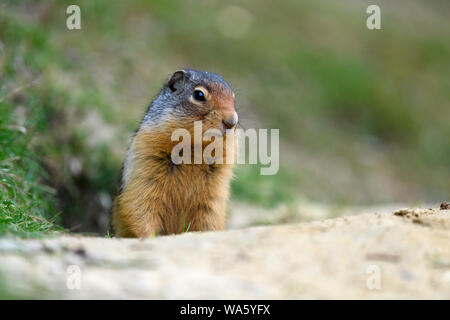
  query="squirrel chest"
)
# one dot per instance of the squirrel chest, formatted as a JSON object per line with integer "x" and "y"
{"x": 161, "y": 197}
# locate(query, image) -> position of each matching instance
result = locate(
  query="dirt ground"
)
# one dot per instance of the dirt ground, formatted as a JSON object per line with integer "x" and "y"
{"x": 367, "y": 256}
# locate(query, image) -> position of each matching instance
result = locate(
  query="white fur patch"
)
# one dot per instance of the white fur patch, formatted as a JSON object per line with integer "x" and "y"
{"x": 128, "y": 165}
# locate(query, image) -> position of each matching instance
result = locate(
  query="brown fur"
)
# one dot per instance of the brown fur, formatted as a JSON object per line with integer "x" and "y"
{"x": 163, "y": 198}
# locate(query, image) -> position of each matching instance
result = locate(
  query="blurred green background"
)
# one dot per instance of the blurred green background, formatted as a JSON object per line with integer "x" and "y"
{"x": 364, "y": 116}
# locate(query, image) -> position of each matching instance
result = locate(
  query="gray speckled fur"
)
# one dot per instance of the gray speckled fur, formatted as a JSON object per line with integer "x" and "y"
{"x": 168, "y": 101}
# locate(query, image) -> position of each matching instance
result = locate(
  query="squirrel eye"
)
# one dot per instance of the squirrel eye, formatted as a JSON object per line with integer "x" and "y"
{"x": 199, "y": 95}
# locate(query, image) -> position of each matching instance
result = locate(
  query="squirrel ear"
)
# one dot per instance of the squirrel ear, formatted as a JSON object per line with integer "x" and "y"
{"x": 176, "y": 80}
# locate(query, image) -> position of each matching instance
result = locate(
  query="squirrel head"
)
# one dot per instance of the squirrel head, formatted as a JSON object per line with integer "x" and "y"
{"x": 192, "y": 95}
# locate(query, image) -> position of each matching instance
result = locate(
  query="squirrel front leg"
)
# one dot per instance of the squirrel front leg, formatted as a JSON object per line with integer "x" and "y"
{"x": 211, "y": 217}
{"x": 134, "y": 219}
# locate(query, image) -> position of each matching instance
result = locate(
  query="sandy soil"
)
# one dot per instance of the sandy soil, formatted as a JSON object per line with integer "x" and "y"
{"x": 367, "y": 256}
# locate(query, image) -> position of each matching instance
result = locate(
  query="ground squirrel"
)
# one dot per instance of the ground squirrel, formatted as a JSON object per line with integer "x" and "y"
{"x": 158, "y": 196}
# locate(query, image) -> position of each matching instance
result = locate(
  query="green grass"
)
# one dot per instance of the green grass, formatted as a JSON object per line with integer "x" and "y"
{"x": 27, "y": 203}
{"x": 267, "y": 191}
{"x": 184, "y": 228}
{"x": 40, "y": 141}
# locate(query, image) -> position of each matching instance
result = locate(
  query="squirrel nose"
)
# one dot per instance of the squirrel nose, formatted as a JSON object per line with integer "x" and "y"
{"x": 230, "y": 121}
